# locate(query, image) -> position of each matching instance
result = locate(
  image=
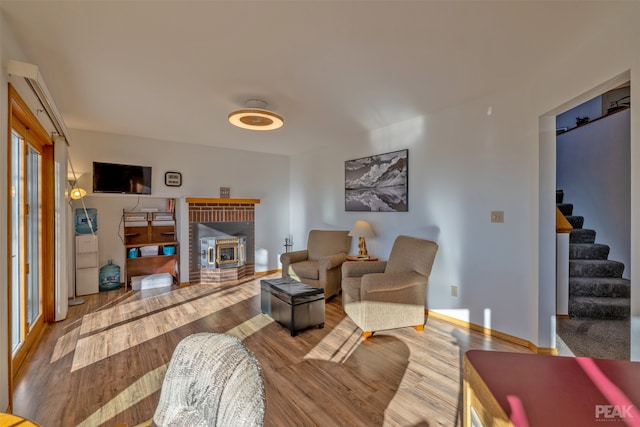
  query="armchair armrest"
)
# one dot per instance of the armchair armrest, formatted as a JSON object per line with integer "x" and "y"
{"x": 289, "y": 258}
{"x": 389, "y": 282}
{"x": 332, "y": 261}
{"x": 360, "y": 268}
{"x": 295, "y": 256}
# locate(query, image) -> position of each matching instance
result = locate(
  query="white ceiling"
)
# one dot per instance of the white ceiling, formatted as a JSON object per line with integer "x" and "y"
{"x": 173, "y": 70}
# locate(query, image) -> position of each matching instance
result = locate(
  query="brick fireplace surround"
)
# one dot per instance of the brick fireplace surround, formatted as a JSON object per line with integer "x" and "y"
{"x": 220, "y": 210}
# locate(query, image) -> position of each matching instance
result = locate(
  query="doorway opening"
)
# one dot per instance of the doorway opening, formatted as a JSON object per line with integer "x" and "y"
{"x": 593, "y": 170}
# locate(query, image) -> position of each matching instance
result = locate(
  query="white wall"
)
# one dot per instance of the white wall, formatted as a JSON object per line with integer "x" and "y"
{"x": 204, "y": 170}
{"x": 593, "y": 169}
{"x": 457, "y": 176}
{"x": 488, "y": 154}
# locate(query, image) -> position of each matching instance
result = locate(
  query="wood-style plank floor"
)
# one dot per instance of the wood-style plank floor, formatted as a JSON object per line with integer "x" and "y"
{"x": 105, "y": 363}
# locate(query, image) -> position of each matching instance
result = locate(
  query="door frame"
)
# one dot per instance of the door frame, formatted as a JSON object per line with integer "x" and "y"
{"x": 19, "y": 112}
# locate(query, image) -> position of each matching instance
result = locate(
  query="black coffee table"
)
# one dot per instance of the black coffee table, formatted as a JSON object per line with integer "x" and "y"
{"x": 293, "y": 304}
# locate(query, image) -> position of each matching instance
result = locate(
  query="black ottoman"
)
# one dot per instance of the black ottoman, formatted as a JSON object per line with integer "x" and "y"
{"x": 293, "y": 304}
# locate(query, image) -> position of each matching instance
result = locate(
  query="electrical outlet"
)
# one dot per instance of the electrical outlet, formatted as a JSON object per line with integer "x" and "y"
{"x": 454, "y": 291}
{"x": 497, "y": 216}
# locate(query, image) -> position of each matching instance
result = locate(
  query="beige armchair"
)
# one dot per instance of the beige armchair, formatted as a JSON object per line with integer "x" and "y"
{"x": 320, "y": 264}
{"x": 380, "y": 295}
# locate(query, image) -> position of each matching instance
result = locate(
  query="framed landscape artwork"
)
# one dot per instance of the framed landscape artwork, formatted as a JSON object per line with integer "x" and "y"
{"x": 377, "y": 183}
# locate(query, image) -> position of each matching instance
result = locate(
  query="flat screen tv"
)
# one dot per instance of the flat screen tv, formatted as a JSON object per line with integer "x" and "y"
{"x": 124, "y": 179}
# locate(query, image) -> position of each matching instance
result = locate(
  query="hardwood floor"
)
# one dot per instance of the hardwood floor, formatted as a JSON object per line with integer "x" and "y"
{"x": 104, "y": 365}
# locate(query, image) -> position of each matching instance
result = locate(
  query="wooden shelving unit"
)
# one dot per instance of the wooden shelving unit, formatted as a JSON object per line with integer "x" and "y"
{"x": 144, "y": 230}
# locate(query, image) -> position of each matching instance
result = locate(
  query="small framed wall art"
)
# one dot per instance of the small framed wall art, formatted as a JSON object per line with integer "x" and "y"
{"x": 173, "y": 179}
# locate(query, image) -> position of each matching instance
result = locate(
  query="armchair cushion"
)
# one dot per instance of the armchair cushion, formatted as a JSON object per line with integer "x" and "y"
{"x": 305, "y": 270}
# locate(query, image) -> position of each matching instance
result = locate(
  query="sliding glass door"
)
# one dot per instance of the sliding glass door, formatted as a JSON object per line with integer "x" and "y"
{"x": 26, "y": 231}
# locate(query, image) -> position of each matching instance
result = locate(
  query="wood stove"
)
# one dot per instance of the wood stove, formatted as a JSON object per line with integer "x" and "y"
{"x": 222, "y": 251}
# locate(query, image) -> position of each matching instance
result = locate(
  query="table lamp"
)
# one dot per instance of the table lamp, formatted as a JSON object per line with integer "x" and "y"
{"x": 362, "y": 229}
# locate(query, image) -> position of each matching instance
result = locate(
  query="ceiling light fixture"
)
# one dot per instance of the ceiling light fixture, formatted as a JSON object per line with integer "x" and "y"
{"x": 256, "y": 117}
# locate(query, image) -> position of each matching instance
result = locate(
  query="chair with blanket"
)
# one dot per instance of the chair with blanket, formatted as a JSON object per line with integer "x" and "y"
{"x": 380, "y": 295}
{"x": 212, "y": 380}
{"x": 320, "y": 264}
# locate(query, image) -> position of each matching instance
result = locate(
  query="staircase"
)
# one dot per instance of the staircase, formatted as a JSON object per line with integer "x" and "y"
{"x": 596, "y": 287}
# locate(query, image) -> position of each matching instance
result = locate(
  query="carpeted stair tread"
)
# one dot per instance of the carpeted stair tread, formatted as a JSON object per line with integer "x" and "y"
{"x": 576, "y": 221}
{"x": 565, "y": 208}
{"x": 599, "y": 307}
{"x": 582, "y": 235}
{"x": 614, "y": 287}
{"x": 596, "y": 287}
{"x": 588, "y": 251}
{"x": 595, "y": 268}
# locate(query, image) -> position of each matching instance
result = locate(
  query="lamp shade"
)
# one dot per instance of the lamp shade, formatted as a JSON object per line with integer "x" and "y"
{"x": 77, "y": 193}
{"x": 361, "y": 229}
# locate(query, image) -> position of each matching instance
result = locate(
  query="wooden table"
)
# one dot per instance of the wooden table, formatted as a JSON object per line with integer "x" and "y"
{"x": 357, "y": 258}
{"x": 10, "y": 420}
{"x": 517, "y": 389}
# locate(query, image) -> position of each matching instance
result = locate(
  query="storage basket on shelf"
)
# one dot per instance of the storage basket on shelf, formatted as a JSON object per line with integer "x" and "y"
{"x": 109, "y": 277}
{"x": 149, "y": 250}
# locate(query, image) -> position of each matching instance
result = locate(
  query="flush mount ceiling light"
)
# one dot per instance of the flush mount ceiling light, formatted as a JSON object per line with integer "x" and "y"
{"x": 255, "y": 117}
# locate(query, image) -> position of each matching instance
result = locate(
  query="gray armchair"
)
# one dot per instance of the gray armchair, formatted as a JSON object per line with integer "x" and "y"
{"x": 320, "y": 264}
{"x": 380, "y": 295}
{"x": 212, "y": 380}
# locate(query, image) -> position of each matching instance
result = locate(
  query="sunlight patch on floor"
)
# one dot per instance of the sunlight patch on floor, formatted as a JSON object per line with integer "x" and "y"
{"x": 122, "y": 337}
{"x": 122, "y": 312}
{"x": 65, "y": 345}
{"x": 250, "y": 327}
{"x": 563, "y": 348}
{"x": 136, "y": 392}
{"x": 151, "y": 382}
{"x": 339, "y": 343}
{"x": 127, "y": 310}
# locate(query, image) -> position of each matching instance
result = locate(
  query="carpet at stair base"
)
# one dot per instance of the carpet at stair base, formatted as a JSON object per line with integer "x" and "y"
{"x": 598, "y": 308}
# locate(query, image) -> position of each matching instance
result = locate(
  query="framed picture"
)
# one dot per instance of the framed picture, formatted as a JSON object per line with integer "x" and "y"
{"x": 173, "y": 179}
{"x": 377, "y": 183}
